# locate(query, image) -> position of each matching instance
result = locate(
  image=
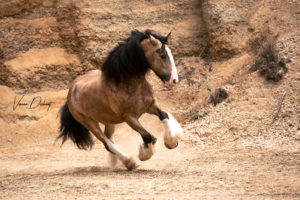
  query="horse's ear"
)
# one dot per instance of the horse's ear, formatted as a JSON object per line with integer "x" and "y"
{"x": 167, "y": 37}
{"x": 152, "y": 40}
{"x": 148, "y": 33}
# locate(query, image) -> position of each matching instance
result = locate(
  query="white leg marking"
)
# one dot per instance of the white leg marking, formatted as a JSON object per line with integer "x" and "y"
{"x": 115, "y": 150}
{"x": 146, "y": 153}
{"x": 173, "y": 132}
{"x": 129, "y": 162}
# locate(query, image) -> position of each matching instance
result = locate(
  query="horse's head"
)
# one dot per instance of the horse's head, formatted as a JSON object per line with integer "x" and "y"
{"x": 160, "y": 59}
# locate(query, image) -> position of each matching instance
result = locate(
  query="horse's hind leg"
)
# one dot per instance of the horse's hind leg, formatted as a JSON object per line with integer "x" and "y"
{"x": 109, "y": 131}
{"x": 93, "y": 126}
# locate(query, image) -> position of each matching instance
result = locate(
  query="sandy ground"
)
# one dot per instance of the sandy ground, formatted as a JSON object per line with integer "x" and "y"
{"x": 192, "y": 171}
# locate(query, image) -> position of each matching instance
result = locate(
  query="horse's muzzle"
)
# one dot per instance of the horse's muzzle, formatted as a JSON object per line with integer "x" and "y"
{"x": 171, "y": 83}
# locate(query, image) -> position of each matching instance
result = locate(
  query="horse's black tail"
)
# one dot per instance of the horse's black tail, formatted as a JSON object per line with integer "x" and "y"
{"x": 70, "y": 128}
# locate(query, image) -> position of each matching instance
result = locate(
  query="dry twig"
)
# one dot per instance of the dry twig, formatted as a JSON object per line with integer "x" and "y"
{"x": 279, "y": 107}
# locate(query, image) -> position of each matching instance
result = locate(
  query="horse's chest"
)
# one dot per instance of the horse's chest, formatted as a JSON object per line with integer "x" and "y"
{"x": 138, "y": 103}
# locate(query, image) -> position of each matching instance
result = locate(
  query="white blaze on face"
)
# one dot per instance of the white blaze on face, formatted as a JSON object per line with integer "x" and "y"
{"x": 174, "y": 75}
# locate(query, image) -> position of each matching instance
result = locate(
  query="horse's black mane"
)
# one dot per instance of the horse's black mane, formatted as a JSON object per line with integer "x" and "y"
{"x": 127, "y": 59}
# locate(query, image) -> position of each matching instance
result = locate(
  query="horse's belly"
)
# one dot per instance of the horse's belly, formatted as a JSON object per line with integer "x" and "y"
{"x": 108, "y": 118}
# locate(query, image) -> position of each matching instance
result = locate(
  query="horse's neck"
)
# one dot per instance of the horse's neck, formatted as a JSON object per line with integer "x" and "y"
{"x": 130, "y": 84}
{"x": 135, "y": 82}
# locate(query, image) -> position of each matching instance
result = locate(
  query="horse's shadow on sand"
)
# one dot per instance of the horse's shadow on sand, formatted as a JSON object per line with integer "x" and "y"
{"x": 98, "y": 171}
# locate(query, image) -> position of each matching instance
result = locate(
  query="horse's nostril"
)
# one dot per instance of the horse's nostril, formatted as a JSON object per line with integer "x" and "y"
{"x": 174, "y": 81}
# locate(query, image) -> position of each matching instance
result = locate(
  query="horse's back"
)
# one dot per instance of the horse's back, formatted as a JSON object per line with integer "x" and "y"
{"x": 87, "y": 82}
{"x": 90, "y": 96}
{"x": 81, "y": 89}
{"x": 94, "y": 72}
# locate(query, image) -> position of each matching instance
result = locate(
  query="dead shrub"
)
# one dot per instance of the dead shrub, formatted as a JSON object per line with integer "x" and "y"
{"x": 269, "y": 64}
{"x": 218, "y": 96}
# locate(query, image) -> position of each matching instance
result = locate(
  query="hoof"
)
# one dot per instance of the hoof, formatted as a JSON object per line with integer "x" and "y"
{"x": 173, "y": 132}
{"x": 130, "y": 164}
{"x": 112, "y": 160}
{"x": 171, "y": 143}
{"x": 146, "y": 153}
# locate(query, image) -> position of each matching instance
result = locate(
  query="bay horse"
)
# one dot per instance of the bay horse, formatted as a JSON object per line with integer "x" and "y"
{"x": 119, "y": 92}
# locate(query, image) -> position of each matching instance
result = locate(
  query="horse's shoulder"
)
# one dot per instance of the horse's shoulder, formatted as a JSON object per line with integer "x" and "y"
{"x": 148, "y": 87}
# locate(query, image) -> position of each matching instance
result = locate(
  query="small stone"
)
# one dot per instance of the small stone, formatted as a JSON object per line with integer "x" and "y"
{"x": 297, "y": 137}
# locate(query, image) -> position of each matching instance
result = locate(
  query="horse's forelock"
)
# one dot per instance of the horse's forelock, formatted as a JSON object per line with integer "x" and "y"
{"x": 162, "y": 39}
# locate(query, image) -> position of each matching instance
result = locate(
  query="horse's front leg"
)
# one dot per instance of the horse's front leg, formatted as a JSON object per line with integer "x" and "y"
{"x": 148, "y": 148}
{"x": 173, "y": 130}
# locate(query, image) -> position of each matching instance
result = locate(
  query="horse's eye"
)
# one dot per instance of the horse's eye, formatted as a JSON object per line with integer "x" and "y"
{"x": 163, "y": 56}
